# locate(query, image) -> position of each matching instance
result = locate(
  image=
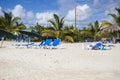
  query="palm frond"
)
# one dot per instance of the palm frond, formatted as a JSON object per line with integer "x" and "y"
{"x": 106, "y": 23}
{"x": 69, "y": 38}
{"x": 61, "y": 23}
{"x": 96, "y": 26}
{"x": 115, "y": 17}
{"x": 57, "y": 20}
{"x": 47, "y": 33}
{"x": 118, "y": 10}
{"x": 53, "y": 23}
{"x": 15, "y": 20}
{"x": 86, "y": 33}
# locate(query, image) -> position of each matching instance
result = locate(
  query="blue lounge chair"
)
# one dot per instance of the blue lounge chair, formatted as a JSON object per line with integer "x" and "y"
{"x": 55, "y": 43}
{"x": 92, "y": 46}
{"x": 21, "y": 45}
{"x": 109, "y": 45}
{"x": 102, "y": 46}
{"x": 98, "y": 46}
{"x": 45, "y": 43}
{"x": 32, "y": 44}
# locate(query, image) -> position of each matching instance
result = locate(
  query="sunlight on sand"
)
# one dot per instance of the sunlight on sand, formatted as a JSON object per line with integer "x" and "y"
{"x": 67, "y": 62}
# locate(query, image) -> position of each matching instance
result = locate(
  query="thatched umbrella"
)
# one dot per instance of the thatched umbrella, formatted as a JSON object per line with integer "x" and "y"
{"x": 47, "y": 36}
{"x": 111, "y": 29}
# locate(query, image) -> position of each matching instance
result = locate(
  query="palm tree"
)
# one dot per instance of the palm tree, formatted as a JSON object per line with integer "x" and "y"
{"x": 68, "y": 33}
{"x": 8, "y": 22}
{"x": 106, "y": 23}
{"x": 116, "y": 24}
{"x": 94, "y": 29}
{"x": 20, "y": 26}
{"x": 39, "y": 28}
{"x": 116, "y": 17}
{"x": 57, "y": 25}
{"x": 2, "y": 21}
{"x": 85, "y": 33}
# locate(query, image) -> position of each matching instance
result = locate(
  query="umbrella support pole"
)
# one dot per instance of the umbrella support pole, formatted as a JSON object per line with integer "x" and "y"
{"x": 118, "y": 35}
{"x": 1, "y": 43}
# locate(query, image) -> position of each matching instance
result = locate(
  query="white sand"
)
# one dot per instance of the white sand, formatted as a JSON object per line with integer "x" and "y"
{"x": 67, "y": 62}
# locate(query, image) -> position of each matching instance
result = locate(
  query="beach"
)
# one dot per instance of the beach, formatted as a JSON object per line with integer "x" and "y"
{"x": 67, "y": 62}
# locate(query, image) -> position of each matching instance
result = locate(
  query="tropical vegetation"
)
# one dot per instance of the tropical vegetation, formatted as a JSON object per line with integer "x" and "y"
{"x": 114, "y": 24}
{"x": 10, "y": 23}
{"x": 58, "y": 29}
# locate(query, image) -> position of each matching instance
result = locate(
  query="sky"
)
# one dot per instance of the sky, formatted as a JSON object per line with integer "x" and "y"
{"x": 40, "y": 11}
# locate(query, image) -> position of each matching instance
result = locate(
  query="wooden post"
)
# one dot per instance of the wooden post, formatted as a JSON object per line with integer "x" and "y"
{"x": 75, "y": 17}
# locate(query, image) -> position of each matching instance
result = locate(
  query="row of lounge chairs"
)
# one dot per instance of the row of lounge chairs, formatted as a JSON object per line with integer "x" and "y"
{"x": 98, "y": 46}
{"x": 48, "y": 43}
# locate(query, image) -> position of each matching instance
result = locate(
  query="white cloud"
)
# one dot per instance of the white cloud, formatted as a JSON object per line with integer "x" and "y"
{"x": 42, "y": 18}
{"x": 30, "y": 14}
{"x": 19, "y": 11}
{"x": 30, "y": 18}
{"x": 83, "y": 13}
